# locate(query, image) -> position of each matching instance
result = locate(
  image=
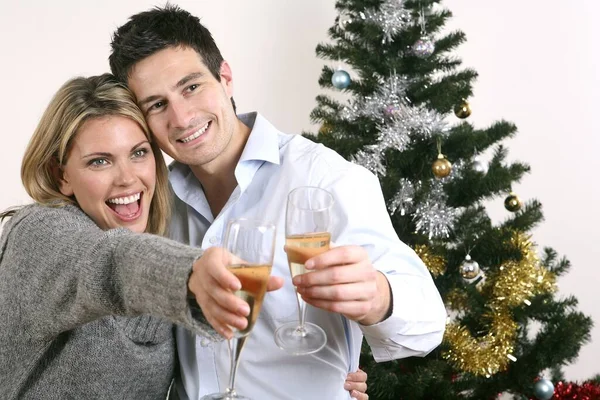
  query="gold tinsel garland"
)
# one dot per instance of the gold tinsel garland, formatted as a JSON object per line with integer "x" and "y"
{"x": 518, "y": 281}
{"x": 457, "y": 299}
{"x": 486, "y": 355}
{"x": 434, "y": 263}
{"x": 515, "y": 283}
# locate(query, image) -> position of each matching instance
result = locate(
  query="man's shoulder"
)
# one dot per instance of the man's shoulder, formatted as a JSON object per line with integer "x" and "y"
{"x": 302, "y": 151}
{"x": 304, "y": 146}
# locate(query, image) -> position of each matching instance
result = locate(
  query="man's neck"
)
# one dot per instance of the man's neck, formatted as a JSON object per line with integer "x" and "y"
{"x": 218, "y": 177}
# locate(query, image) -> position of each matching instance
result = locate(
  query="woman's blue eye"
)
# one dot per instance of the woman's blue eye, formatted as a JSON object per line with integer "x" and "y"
{"x": 140, "y": 152}
{"x": 98, "y": 162}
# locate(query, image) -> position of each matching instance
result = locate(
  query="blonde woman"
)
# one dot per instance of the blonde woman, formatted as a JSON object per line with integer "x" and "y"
{"x": 88, "y": 288}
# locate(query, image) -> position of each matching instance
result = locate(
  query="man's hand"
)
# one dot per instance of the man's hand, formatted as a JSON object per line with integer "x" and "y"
{"x": 214, "y": 286}
{"x": 344, "y": 281}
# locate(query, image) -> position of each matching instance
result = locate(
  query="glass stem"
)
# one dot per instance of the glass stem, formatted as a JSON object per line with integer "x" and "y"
{"x": 235, "y": 348}
{"x": 301, "y": 312}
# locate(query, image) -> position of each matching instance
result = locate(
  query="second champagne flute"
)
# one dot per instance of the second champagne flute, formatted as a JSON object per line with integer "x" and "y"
{"x": 252, "y": 244}
{"x": 307, "y": 221}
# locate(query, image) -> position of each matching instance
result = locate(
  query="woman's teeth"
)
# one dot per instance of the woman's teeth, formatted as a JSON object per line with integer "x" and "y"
{"x": 125, "y": 200}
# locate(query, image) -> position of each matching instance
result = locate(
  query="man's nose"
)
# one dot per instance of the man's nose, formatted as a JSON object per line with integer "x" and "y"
{"x": 180, "y": 114}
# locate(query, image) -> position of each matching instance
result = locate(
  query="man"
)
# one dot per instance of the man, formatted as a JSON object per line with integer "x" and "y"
{"x": 229, "y": 167}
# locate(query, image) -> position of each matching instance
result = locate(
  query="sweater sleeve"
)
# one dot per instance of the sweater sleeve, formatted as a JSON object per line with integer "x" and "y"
{"x": 62, "y": 271}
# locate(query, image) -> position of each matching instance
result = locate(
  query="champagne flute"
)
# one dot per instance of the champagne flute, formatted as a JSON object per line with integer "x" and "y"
{"x": 252, "y": 245}
{"x": 307, "y": 220}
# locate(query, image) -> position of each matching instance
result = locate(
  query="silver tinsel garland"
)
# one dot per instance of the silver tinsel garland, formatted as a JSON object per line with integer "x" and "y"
{"x": 398, "y": 118}
{"x": 391, "y": 17}
{"x": 433, "y": 217}
{"x": 371, "y": 159}
{"x": 403, "y": 200}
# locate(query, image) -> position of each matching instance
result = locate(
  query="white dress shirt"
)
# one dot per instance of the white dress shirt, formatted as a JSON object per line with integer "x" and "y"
{"x": 272, "y": 164}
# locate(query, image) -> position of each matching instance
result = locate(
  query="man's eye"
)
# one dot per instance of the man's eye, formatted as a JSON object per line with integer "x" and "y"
{"x": 193, "y": 87}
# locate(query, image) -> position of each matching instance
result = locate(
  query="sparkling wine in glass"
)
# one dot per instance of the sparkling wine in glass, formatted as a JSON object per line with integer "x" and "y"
{"x": 252, "y": 244}
{"x": 307, "y": 221}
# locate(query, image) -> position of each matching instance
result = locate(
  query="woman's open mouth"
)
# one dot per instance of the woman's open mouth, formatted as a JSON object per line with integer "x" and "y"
{"x": 127, "y": 208}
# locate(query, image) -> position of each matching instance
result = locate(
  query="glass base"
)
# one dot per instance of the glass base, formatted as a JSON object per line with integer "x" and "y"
{"x": 224, "y": 396}
{"x": 299, "y": 341}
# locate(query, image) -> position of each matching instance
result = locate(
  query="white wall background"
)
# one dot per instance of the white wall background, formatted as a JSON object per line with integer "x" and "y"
{"x": 538, "y": 61}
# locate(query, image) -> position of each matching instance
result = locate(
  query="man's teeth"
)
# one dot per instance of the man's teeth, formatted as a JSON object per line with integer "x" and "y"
{"x": 125, "y": 200}
{"x": 196, "y": 134}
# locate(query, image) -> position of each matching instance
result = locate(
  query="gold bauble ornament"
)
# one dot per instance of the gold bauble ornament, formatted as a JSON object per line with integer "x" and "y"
{"x": 462, "y": 110}
{"x": 513, "y": 203}
{"x": 441, "y": 167}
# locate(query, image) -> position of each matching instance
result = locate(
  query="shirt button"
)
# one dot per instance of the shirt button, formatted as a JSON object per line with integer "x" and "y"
{"x": 213, "y": 240}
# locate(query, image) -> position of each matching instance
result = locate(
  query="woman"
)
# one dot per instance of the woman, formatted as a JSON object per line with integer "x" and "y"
{"x": 78, "y": 282}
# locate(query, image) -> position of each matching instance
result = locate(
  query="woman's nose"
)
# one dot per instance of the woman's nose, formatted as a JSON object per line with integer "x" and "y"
{"x": 126, "y": 175}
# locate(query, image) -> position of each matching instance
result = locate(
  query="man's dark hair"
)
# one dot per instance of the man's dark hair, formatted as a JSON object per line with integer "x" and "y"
{"x": 157, "y": 29}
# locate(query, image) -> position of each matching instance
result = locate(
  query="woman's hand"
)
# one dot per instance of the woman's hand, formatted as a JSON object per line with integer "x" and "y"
{"x": 356, "y": 384}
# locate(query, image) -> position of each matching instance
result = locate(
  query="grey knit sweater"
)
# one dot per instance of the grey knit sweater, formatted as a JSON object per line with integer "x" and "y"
{"x": 74, "y": 302}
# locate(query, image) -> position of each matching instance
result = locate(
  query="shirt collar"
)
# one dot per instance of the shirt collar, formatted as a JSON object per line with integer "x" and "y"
{"x": 262, "y": 146}
{"x": 263, "y": 142}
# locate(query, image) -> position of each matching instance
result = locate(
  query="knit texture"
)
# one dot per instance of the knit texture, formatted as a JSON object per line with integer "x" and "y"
{"x": 75, "y": 303}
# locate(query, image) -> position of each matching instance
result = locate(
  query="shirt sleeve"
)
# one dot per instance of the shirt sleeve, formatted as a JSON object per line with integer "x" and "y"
{"x": 66, "y": 272}
{"x": 418, "y": 318}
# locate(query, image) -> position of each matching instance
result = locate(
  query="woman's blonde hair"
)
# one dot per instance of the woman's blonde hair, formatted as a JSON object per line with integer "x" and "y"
{"x": 77, "y": 101}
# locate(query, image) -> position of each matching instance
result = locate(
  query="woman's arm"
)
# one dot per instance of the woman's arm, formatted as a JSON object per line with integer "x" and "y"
{"x": 59, "y": 271}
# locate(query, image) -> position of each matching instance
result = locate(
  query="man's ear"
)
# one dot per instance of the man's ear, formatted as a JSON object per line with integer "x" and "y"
{"x": 61, "y": 177}
{"x": 226, "y": 78}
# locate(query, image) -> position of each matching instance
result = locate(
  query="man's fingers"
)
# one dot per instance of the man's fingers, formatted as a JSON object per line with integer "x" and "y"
{"x": 338, "y": 256}
{"x": 337, "y": 275}
{"x": 352, "y": 309}
{"x": 345, "y": 292}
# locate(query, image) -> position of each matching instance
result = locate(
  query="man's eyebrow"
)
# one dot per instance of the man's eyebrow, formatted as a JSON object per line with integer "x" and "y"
{"x": 181, "y": 82}
{"x": 187, "y": 78}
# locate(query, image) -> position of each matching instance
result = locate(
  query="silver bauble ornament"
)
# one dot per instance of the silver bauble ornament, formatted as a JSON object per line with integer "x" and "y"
{"x": 469, "y": 269}
{"x": 340, "y": 79}
{"x": 543, "y": 389}
{"x": 423, "y": 47}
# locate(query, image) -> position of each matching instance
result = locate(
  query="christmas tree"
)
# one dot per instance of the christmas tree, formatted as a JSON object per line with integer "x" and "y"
{"x": 405, "y": 118}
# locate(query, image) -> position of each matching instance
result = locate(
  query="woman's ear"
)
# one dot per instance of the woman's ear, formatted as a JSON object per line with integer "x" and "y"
{"x": 61, "y": 177}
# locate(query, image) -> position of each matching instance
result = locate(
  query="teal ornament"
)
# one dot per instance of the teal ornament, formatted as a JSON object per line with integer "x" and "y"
{"x": 543, "y": 389}
{"x": 341, "y": 79}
